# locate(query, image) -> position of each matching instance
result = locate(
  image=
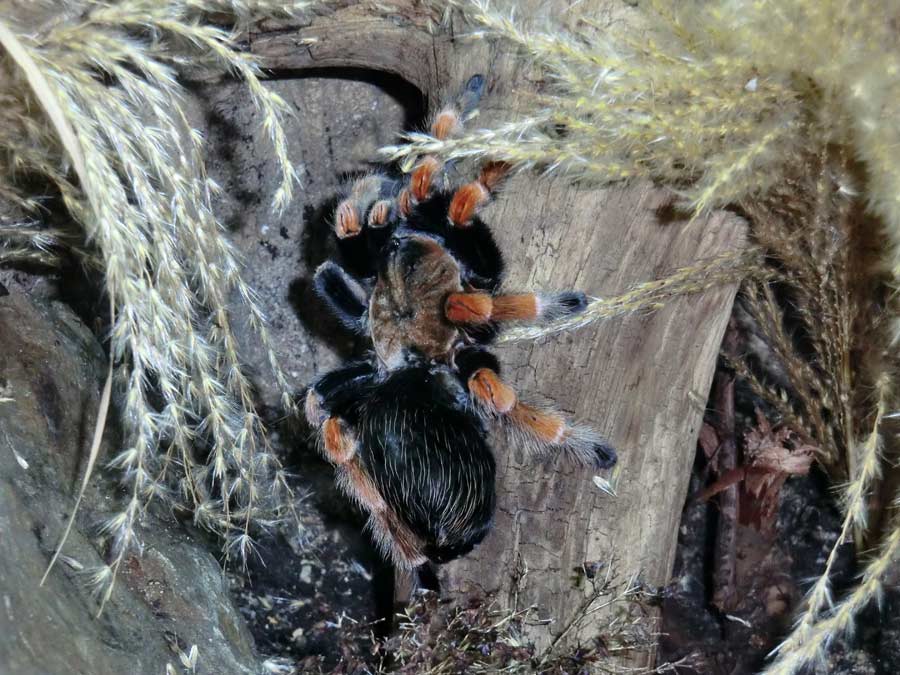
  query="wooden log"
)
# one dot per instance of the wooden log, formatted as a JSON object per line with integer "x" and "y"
{"x": 642, "y": 379}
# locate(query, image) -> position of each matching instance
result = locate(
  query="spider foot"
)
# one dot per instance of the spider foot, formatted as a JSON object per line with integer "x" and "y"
{"x": 561, "y": 304}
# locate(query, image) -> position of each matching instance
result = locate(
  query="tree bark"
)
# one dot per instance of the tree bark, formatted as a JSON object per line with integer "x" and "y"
{"x": 642, "y": 380}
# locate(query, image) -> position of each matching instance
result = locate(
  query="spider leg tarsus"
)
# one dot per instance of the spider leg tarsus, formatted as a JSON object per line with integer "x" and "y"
{"x": 480, "y": 308}
{"x": 471, "y": 95}
{"x": 555, "y": 306}
{"x": 606, "y": 455}
{"x": 314, "y": 408}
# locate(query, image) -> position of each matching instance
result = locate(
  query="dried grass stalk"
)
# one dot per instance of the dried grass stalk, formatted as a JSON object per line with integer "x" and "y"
{"x": 90, "y": 101}
{"x": 731, "y": 267}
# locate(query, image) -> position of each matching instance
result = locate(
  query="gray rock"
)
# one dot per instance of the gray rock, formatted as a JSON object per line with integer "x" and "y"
{"x": 172, "y": 597}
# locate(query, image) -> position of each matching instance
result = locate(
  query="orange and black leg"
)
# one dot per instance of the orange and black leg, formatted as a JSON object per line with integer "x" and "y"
{"x": 472, "y": 196}
{"x": 447, "y": 122}
{"x": 541, "y": 430}
{"x": 479, "y": 308}
{"x": 340, "y": 446}
{"x": 392, "y": 537}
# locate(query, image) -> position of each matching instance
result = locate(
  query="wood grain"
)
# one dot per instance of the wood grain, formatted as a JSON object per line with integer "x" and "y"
{"x": 642, "y": 379}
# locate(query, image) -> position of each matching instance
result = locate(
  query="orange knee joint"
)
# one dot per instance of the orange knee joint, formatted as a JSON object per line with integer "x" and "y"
{"x": 339, "y": 444}
{"x": 404, "y": 202}
{"x": 346, "y": 220}
{"x": 492, "y": 173}
{"x": 491, "y": 391}
{"x": 469, "y": 308}
{"x": 380, "y": 213}
{"x": 477, "y": 308}
{"x": 446, "y": 122}
{"x": 422, "y": 177}
{"x": 467, "y": 199}
{"x": 465, "y": 202}
{"x": 545, "y": 426}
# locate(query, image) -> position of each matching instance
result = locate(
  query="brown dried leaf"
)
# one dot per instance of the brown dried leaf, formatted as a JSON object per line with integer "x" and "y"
{"x": 773, "y": 456}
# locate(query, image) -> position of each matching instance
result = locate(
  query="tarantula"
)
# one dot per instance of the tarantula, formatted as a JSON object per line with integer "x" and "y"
{"x": 408, "y": 427}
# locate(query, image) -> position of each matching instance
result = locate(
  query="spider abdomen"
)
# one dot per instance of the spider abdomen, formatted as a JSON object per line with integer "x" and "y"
{"x": 430, "y": 459}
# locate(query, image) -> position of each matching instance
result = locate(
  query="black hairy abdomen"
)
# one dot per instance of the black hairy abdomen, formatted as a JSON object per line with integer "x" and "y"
{"x": 430, "y": 459}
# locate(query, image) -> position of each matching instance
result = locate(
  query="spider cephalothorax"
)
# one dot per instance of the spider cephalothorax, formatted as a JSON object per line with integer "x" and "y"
{"x": 408, "y": 427}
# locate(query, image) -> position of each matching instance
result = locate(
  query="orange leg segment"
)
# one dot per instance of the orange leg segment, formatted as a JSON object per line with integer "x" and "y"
{"x": 470, "y": 197}
{"x": 465, "y": 202}
{"x": 546, "y": 427}
{"x": 380, "y": 213}
{"x": 519, "y": 307}
{"x": 486, "y": 386}
{"x": 479, "y": 308}
{"x": 391, "y": 535}
{"x": 469, "y": 308}
{"x": 446, "y": 122}
{"x": 340, "y": 446}
{"x": 543, "y": 427}
{"x": 422, "y": 176}
{"x": 346, "y": 220}
{"x": 404, "y": 201}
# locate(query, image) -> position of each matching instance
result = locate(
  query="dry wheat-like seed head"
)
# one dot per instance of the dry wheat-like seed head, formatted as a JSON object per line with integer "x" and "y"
{"x": 90, "y": 101}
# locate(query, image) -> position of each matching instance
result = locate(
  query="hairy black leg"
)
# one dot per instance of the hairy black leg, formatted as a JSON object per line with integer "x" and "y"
{"x": 338, "y": 391}
{"x": 343, "y": 294}
{"x": 470, "y": 359}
